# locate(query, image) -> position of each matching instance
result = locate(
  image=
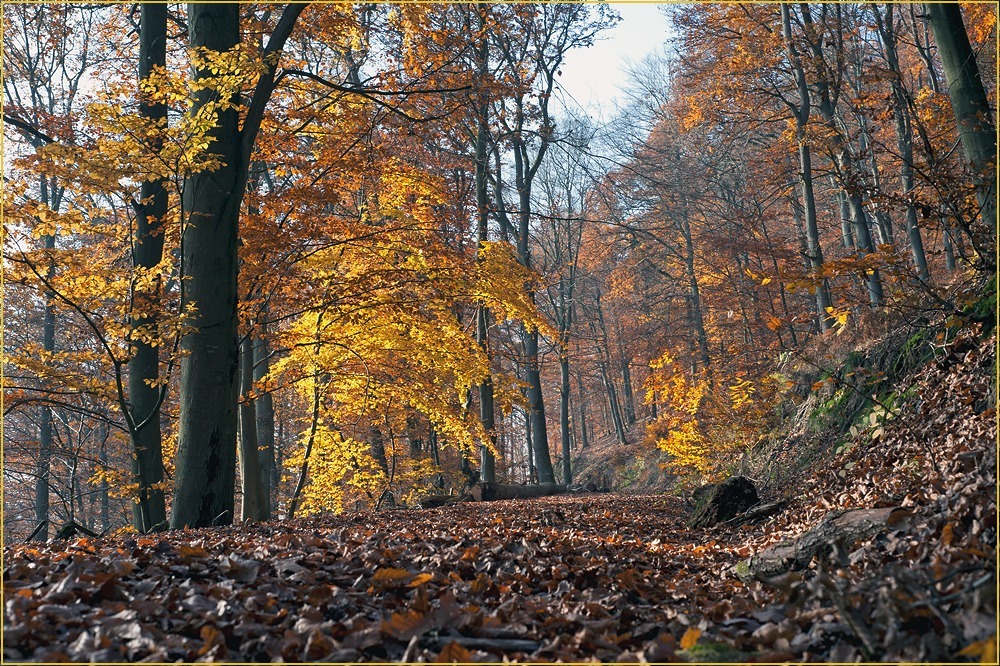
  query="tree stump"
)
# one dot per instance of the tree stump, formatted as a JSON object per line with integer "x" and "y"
{"x": 724, "y": 502}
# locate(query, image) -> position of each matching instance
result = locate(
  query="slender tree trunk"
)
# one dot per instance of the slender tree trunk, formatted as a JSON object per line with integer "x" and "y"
{"x": 628, "y": 393}
{"x": 814, "y": 247}
{"x": 293, "y": 503}
{"x": 487, "y": 463}
{"x": 254, "y": 496}
{"x": 532, "y": 477}
{"x": 147, "y": 252}
{"x": 539, "y": 429}
{"x": 536, "y": 405}
{"x": 44, "y": 466}
{"x": 969, "y": 102}
{"x": 839, "y": 147}
{"x": 564, "y": 424}
{"x": 813, "y": 244}
{"x": 105, "y": 492}
{"x": 264, "y": 412}
{"x": 904, "y": 137}
{"x": 844, "y": 208}
{"x": 694, "y": 298}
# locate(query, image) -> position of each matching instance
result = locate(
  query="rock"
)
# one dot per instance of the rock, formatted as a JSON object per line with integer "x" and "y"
{"x": 724, "y": 502}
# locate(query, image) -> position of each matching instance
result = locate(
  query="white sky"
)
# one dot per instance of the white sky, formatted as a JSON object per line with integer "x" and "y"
{"x": 594, "y": 76}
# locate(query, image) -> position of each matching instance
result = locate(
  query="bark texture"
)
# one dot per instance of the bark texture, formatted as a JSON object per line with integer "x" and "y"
{"x": 206, "y": 451}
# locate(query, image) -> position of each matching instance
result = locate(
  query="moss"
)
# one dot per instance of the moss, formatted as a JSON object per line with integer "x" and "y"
{"x": 915, "y": 352}
{"x": 743, "y": 569}
{"x": 984, "y": 309}
{"x": 713, "y": 652}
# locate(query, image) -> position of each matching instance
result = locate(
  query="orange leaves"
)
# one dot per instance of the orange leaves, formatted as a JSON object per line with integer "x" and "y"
{"x": 690, "y": 638}
{"x": 454, "y": 653}
{"x": 391, "y": 577}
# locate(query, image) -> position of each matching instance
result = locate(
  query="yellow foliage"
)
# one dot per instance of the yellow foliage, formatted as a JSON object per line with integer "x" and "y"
{"x": 702, "y": 424}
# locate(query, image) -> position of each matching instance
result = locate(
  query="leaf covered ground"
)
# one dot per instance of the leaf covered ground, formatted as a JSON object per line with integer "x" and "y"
{"x": 575, "y": 577}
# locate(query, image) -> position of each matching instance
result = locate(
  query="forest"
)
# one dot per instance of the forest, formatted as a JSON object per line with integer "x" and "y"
{"x": 292, "y": 290}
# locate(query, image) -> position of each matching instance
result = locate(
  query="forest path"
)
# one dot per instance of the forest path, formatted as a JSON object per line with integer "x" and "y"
{"x": 558, "y": 577}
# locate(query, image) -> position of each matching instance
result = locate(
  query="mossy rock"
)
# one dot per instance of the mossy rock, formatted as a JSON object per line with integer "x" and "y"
{"x": 724, "y": 502}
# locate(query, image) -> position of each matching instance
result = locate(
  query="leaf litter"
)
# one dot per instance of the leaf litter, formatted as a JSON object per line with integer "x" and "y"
{"x": 601, "y": 577}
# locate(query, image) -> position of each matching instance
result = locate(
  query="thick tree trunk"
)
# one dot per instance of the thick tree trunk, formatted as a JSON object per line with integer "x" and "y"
{"x": 536, "y": 405}
{"x": 968, "y": 100}
{"x": 206, "y": 447}
{"x": 147, "y": 251}
{"x": 206, "y": 450}
{"x": 488, "y": 492}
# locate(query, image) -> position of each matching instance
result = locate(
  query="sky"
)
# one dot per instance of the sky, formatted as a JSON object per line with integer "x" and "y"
{"x": 593, "y": 76}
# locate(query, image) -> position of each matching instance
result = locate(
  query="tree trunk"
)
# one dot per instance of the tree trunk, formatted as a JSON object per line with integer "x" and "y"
{"x": 487, "y": 463}
{"x": 904, "y": 137}
{"x": 264, "y": 412}
{"x": 43, "y": 469}
{"x": 147, "y": 251}
{"x": 105, "y": 491}
{"x": 629, "y": 395}
{"x": 968, "y": 101}
{"x": 564, "y": 424}
{"x": 206, "y": 443}
{"x": 697, "y": 321}
{"x": 206, "y": 448}
{"x": 539, "y": 431}
{"x": 254, "y": 496}
{"x": 584, "y": 442}
{"x": 814, "y": 248}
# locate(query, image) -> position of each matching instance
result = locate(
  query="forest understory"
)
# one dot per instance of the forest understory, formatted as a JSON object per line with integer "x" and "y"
{"x": 595, "y": 576}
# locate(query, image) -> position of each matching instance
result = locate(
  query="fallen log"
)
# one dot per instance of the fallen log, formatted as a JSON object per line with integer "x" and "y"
{"x": 757, "y": 513}
{"x": 487, "y": 492}
{"x": 434, "y": 501}
{"x": 845, "y": 527}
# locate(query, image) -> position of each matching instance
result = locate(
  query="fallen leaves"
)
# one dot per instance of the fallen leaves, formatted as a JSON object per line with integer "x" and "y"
{"x": 618, "y": 578}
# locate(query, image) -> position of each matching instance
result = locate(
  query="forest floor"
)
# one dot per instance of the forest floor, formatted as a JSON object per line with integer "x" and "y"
{"x": 610, "y": 577}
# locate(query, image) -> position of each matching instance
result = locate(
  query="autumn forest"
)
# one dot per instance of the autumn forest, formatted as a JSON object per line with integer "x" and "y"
{"x": 274, "y": 270}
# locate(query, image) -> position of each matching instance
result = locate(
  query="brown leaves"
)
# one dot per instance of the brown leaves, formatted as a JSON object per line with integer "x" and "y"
{"x": 622, "y": 580}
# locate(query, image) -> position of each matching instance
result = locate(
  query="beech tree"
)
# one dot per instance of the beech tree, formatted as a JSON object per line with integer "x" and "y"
{"x": 212, "y": 200}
